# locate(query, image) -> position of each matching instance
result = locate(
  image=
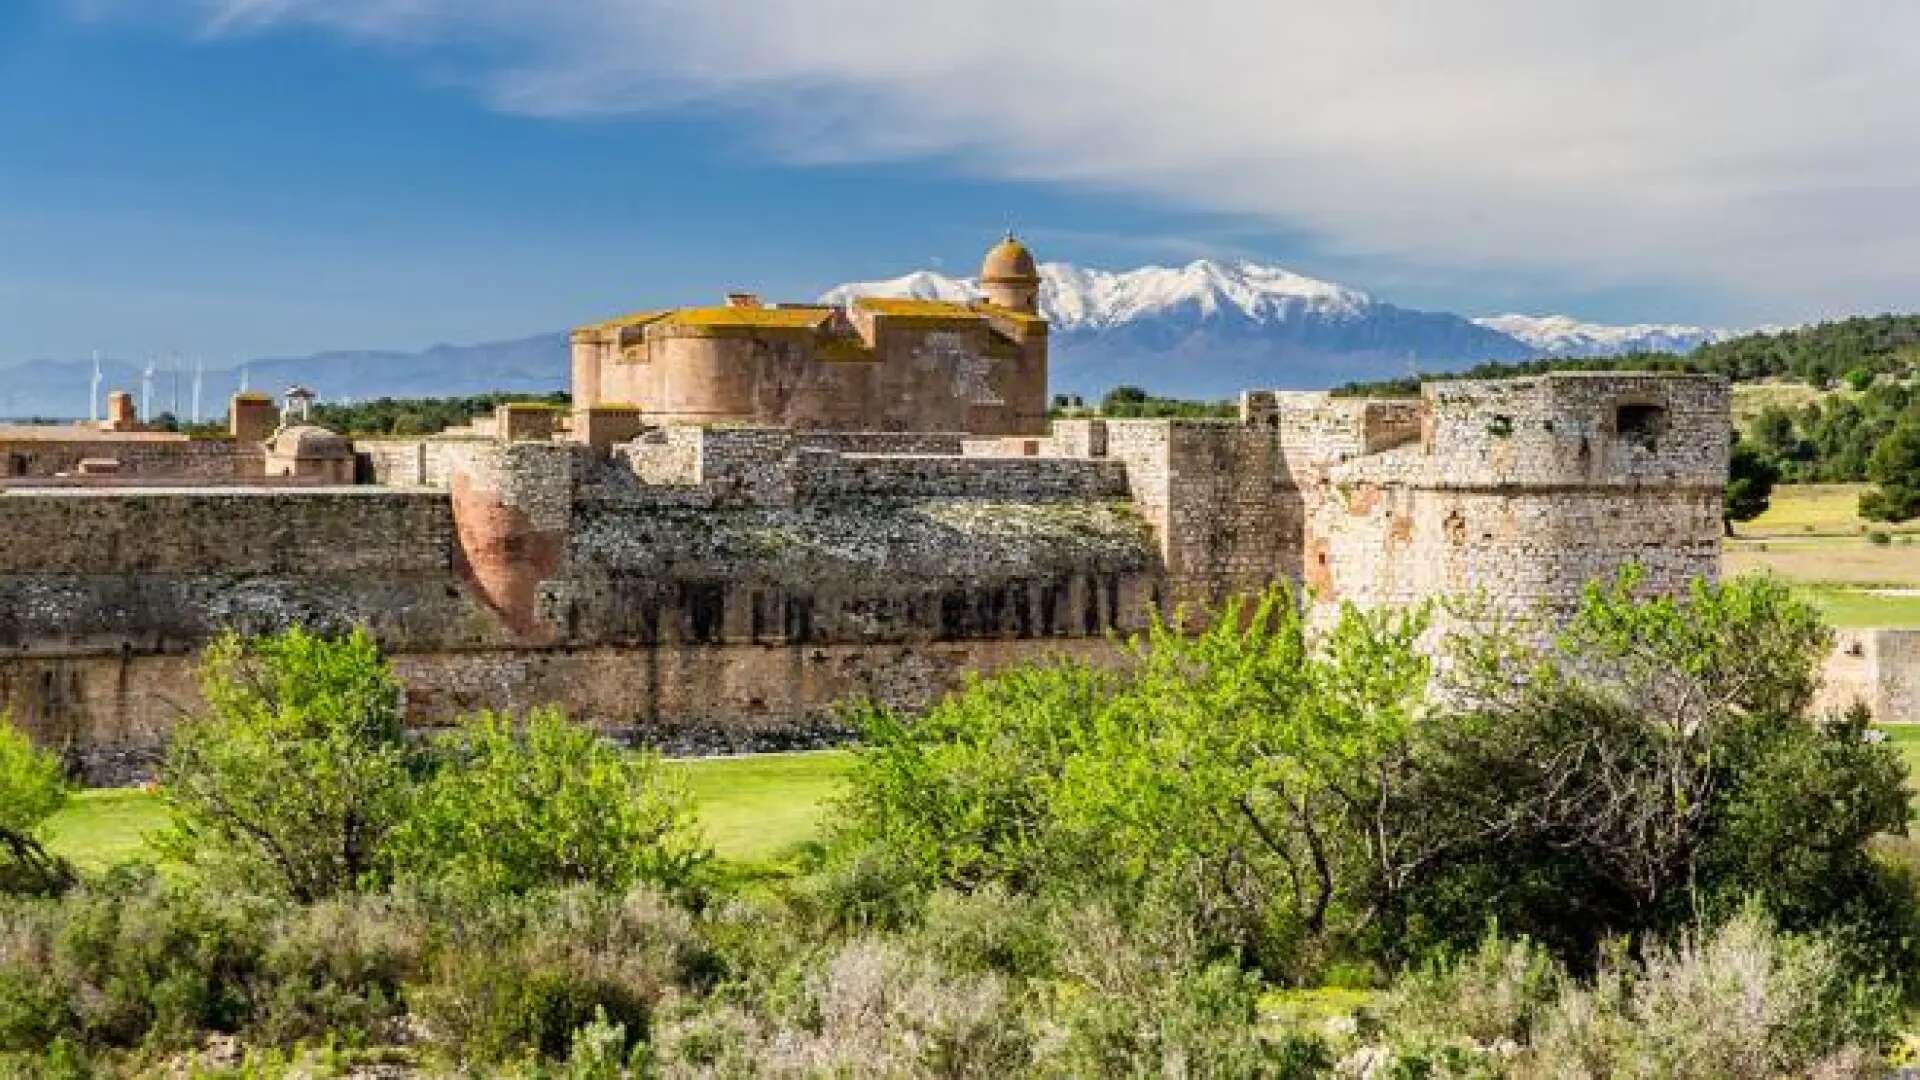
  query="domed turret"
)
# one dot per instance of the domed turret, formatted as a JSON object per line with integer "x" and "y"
{"x": 1009, "y": 276}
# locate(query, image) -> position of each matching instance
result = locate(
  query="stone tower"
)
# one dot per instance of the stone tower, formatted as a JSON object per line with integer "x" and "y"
{"x": 1009, "y": 277}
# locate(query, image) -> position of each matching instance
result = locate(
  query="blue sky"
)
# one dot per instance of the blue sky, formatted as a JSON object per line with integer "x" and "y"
{"x": 230, "y": 178}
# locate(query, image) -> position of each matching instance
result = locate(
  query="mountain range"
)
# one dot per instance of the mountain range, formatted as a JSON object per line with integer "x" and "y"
{"x": 1211, "y": 329}
{"x": 1206, "y": 329}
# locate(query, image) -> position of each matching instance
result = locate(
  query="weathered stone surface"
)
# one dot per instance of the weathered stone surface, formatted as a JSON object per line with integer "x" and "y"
{"x": 725, "y": 587}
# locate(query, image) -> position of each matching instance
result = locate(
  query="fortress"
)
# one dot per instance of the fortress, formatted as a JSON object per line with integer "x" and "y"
{"x": 752, "y": 513}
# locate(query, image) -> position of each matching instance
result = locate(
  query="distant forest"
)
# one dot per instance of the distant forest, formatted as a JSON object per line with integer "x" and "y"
{"x": 1818, "y": 355}
{"x": 403, "y": 417}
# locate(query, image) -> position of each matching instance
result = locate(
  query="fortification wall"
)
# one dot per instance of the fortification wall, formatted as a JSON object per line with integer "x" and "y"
{"x": 532, "y": 577}
{"x": 1519, "y": 492}
{"x": 149, "y": 456}
{"x": 1221, "y": 499}
{"x": 738, "y": 581}
{"x": 1877, "y": 668}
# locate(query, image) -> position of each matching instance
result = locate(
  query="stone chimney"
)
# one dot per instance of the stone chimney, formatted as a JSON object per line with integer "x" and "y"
{"x": 251, "y": 417}
{"x": 121, "y": 415}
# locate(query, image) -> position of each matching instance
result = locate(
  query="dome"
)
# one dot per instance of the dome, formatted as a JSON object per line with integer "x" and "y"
{"x": 1009, "y": 262}
{"x": 309, "y": 441}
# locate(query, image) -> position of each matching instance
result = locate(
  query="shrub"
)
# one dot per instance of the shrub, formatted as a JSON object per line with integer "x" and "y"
{"x": 148, "y": 962}
{"x": 507, "y": 812}
{"x": 293, "y": 777}
{"x": 32, "y": 789}
{"x": 1879, "y": 537}
{"x": 1238, "y": 775}
{"x": 869, "y": 1007}
{"x": 523, "y": 975}
{"x": 1140, "y": 997}
{"x": 1743, "y": 1000}
{"x": 336, "y": 969}
{"x": 1496, "y": 993}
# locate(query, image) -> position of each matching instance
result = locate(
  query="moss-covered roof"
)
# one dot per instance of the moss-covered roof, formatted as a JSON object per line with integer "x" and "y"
{"x": 901, "y": 308}
{"x": 636, "y": 318}
{"x": 762, "y": 317}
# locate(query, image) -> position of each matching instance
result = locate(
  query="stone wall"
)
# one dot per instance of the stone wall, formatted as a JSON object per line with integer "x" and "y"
{"x": 1519, "y": 492}
{"x": 727, "y": 585}
{"x": 712, "y": 615}
{"x": 147, "y": 455}
{"x": 1877, "y": 668}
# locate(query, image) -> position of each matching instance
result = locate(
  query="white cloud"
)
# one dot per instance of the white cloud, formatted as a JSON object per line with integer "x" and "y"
{"x": 1767, "y": 150}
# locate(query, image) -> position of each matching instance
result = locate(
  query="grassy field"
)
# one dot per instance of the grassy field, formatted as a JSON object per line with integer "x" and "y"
{"x": 752, "y": 808}
{"x": 1751, "y": 397}
{"x": 1814, "y": 537}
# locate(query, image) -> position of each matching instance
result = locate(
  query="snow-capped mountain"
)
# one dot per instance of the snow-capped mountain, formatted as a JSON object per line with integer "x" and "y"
{"x": 1211, "y": 328}
{"x": 1563, "y": 335}
{"x": 1078, "y": 298}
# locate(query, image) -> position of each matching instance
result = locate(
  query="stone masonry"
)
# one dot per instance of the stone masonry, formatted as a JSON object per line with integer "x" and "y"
{"x": 723, "y": 562}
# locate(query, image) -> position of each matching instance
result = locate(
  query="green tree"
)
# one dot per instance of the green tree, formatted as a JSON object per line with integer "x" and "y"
{"x": 1895, "y": 467}
{"x": 1239, "y": 776}
{"x": 1657, "y": 765}
{"x": 1255, "y": 770}
{"x": 32, "y": 789}
{"x": 296, "y": 772}
{"x": 1750, "y": 479}
{"x": 510, "y": 811}
{"x": 1774, "y": 433}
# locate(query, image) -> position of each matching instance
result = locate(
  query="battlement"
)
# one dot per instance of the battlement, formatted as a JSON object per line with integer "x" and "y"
{"x": 743, "y": 578}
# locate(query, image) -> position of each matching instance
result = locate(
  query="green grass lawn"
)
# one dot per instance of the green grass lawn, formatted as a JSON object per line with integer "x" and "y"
{"x": 1852, "y": 608}
{"x": 752, "y": 808}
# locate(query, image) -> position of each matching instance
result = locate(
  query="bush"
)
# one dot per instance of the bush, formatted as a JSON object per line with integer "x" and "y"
{"x": 293, "y": 777}
{"x": 962, "y": 793}
{"x": 335, "y": 970}
{"x": 507, "y": 813}
{"x": 135, "y": 961}
{"x": 32, "y": 789}
{"x": 1743, "y": 1000}
{"x": 1658, "y": 763}
{"x": 521, "y": 976}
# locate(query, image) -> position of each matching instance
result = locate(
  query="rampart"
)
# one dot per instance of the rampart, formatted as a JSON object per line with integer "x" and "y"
{"x": 1876, "y": 668}
{"x": 728, "y": 586}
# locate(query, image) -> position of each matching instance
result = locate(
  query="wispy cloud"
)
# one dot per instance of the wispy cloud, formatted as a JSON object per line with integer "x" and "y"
{"x": 1767, "y": 149}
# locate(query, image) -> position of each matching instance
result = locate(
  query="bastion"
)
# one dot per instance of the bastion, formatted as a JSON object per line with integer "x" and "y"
{"x": 722, "y": 568}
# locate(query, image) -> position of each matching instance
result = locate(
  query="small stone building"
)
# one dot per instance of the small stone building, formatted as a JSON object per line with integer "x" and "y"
{"x": 310, "y": 452}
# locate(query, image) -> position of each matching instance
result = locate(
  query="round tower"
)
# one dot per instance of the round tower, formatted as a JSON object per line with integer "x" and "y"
{"x": 1009, "y": 276}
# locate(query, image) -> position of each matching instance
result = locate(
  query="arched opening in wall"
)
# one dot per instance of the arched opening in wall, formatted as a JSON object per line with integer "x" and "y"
{"x": 1640, "y": 424}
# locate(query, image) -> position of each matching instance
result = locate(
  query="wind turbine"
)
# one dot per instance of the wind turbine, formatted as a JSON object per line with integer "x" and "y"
{"x": 93, "y": 392}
